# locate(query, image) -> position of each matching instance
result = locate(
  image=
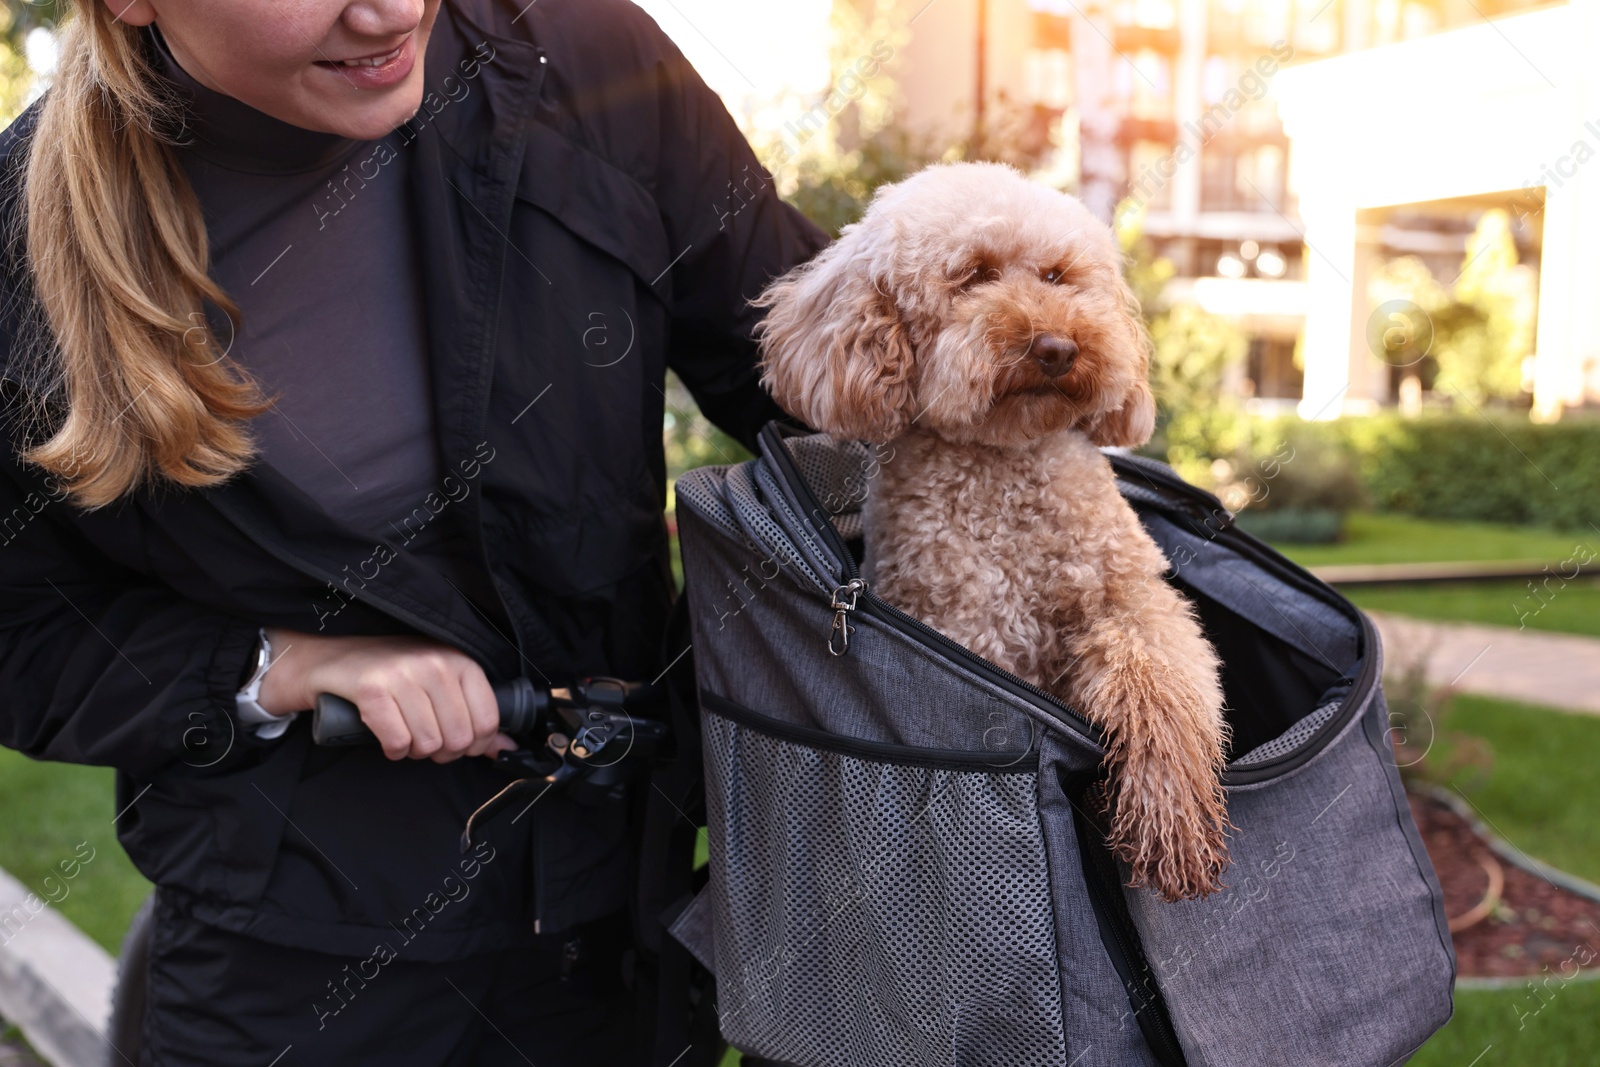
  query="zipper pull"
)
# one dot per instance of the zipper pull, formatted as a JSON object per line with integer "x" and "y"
{"x": 844, "y": 602}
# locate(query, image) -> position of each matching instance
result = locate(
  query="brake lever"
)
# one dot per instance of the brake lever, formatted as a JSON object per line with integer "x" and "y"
{"x": 594, "y": 728}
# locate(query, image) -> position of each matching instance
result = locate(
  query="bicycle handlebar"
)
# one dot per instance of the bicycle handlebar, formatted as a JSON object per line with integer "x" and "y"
{"x": 567, "y": 724}
{"x": 337, "y": 721}
{"x": 578, "y": 737}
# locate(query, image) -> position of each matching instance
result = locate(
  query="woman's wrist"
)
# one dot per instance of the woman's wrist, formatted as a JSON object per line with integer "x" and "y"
{"x": 283, "y": 686}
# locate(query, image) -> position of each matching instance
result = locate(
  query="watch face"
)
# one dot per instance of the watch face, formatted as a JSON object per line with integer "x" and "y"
{"x": 262, "y": 660}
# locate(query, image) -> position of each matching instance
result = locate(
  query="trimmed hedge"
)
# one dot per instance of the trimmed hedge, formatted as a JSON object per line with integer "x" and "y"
{"x": 1480, "y": 468}
{"x": 1463, "y": 467}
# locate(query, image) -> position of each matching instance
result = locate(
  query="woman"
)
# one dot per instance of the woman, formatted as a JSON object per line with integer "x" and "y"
{"x": 334, "y": 342}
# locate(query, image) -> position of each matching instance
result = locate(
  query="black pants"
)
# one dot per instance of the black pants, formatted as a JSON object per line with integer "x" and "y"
{"x": 219, "y": 998}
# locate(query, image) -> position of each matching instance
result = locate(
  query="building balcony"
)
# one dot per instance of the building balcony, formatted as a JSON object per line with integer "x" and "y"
{"x": 1258, "y": 305}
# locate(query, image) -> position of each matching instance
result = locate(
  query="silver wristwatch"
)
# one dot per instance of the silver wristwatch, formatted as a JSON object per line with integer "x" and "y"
{"x": 248, "y": 703}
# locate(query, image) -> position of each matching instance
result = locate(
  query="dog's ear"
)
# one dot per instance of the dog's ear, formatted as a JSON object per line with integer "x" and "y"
{"x": 1131, "y": 424}
{"x": 834, "y": 351}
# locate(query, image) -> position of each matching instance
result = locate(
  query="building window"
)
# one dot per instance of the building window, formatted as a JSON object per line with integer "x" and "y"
{"x": 1242, "y": 178}
{"x": 1236, "y": 97}
{"x": 1260, "y": 176}
{"x": 1270, "y": 369}
{"x": 1144, "y": 81}
{"x": 1151, "y": 14}
{"x": 1047, "y": 77}
{"x": 1151, "y": 165}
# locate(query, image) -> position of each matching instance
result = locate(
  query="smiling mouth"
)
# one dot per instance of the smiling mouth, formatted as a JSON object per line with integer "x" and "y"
{"x": 365, "y": 61}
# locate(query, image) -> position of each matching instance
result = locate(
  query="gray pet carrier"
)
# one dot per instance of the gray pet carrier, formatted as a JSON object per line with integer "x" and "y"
{"x": 902, "y": 870}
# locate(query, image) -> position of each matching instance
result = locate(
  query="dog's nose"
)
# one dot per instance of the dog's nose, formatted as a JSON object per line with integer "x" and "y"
{"x": 1055, "y": 355}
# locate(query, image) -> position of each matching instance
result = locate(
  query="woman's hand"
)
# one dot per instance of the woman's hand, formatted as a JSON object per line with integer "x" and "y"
{"x": 422, "y": 699}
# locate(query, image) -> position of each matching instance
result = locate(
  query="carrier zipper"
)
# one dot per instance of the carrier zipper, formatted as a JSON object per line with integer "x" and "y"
{"x": 893, "y": 617}
{"x": 915, "y": 628}
{"x": 1205, "y": 507}
{"x": 1199, "y": 504}
{"x": 870, "y": 751}
{"x": 1122, "y": 944}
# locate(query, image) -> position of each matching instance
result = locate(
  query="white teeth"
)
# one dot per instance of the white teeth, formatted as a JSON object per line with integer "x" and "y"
{"x": 376, "y": 61}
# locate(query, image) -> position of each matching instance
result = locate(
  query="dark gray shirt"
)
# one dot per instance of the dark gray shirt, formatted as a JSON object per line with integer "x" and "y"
{"x": 313, "y": 236}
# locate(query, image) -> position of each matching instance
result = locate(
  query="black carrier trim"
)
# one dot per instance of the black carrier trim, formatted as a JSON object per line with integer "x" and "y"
{"x": 872, "y": 751}
{"x": 806, "y": 505}
{"x": 1191, "y": 503}
{"x": 1201, "y": 509}
{"x": 1121, "y": 940}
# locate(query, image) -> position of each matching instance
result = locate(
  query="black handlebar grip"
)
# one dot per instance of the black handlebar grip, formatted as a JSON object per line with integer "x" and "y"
{"x": 337, "y": 721}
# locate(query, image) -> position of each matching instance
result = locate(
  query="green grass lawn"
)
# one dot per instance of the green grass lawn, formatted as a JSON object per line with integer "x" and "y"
{"x": 1542, "y": 796}
{"x": 1562, "y": 1034}
{"x": 50, "y": 809}
{"x": 1572, "y": 607}
{"x": 1373, "y": 538}
{"x": 1542, "y": 793}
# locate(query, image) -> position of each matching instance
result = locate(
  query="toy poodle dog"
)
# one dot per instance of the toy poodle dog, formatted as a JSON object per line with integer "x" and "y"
{"x": 979, "y": 322}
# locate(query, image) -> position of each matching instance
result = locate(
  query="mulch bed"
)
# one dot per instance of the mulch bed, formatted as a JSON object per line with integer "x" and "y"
{"x": 1535, "y": 925}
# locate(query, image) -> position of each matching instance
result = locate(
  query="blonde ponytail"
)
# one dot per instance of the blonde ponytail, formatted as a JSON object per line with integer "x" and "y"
{"x": 116, "y": 248}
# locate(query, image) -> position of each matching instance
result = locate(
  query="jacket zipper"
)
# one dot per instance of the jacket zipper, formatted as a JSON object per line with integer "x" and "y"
{"x": 405, "y": 615}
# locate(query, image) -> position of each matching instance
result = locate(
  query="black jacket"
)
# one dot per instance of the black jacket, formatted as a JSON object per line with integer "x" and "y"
{"x": 590, "y": 216}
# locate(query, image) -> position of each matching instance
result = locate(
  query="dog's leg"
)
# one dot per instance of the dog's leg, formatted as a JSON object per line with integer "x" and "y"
{"x": 1141, "y": 668}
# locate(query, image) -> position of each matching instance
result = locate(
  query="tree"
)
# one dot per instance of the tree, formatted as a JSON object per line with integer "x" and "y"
{"x": 1191, "y": 350}
{"x": 1482, "y": 323}
{"x": 17, "y": 79}
{"x": 1481, "y": 358}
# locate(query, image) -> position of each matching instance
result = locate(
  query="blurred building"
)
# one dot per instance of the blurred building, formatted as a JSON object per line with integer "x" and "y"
{"x": 1175, "y": 104}
{"x": 1399, "y": 147}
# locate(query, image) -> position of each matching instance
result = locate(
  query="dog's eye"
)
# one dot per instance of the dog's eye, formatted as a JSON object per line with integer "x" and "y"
{"x": 980, "y": 273}
{"x": 1054, "y": 275}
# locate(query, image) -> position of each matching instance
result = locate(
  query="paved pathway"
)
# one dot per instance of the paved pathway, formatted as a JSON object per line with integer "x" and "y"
{"x": 1533, "y": 666}
{"x": 55, "y": 983}
{"x": 1348, "y": 574}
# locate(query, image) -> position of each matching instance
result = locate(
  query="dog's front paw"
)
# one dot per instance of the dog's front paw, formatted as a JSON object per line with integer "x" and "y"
{"x": 1170, "y": 824}
{"x": 1169, "y": 817}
